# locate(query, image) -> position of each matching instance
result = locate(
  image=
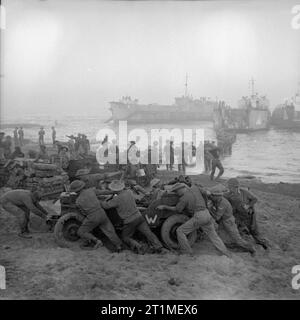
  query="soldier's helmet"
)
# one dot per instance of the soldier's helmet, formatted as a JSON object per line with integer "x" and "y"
{"x": 76, "y": 186}
{"x": 177, "y": 186}
{"x": 116, "y": 185}
{"x": 233, "y": 182}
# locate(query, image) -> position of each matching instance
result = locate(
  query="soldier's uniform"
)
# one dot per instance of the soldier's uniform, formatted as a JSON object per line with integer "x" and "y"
{"x": 246, "y": 217}
{"x": 20, "y": 203}
{"x": 133, "y": 220}
{"x": 223, "y": 215}
{"x": 88, "y": 202}
{"x": 193, "y": 203}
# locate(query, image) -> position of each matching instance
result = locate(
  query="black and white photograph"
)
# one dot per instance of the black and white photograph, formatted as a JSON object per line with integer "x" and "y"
{"x": 149, "y": 150}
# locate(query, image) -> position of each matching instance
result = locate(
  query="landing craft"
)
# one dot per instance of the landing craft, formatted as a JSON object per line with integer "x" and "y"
{"x": 252, "y": 114}
{"x": 185, "y": 108}
{"x": 287, "y": 115}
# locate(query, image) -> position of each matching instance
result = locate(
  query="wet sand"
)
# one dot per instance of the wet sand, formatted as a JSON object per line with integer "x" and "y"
{"x": 38, "y": 269}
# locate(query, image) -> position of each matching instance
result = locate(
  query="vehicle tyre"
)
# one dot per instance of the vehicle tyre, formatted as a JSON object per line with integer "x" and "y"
{"x": 168, "y": 231}
{"x": 66, "y": 227}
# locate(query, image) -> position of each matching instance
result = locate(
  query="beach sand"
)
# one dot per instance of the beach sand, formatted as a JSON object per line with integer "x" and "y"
{"x": 38, "y": 269}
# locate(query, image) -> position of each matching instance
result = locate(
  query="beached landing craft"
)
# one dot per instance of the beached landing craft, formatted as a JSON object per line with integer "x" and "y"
{"x": 287, "y": 115}
{"x": 185, "y": 108}
{"x": 252, "y": 114}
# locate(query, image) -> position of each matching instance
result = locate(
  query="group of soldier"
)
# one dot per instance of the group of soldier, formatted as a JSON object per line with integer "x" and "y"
{"x": 18, "y": 137}
{"x": 207, "y": 209}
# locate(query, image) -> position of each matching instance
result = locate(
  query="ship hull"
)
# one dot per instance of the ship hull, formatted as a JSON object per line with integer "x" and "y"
{"x": 286, "y": 117}
{"x": 286, "y": 124}
{"x": 161, "y": 113}
{"x": 165, "y": 118}
{"x": 243, "y": 121}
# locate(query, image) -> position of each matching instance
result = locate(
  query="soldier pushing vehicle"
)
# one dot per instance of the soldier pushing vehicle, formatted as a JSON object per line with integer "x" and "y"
{"x": 20, "y": 203}
{"x": 95, "y": 216}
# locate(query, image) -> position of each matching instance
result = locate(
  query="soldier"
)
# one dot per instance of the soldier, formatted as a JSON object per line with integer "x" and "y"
{"x": 86, "y": 144}
{"x": 207, "y": 157}
{"x": 64, "y": 158}
{"x": 167, "y": 154}
{"x": 242, "y": 202}
{"x": 216, "y": 162}
{"x": 222, "y": 214}
{"x": 20, "y": 203}
{"x": 192, "y": 202}
{"x": 16, "y": 139}
{"x": 53, "y": 135}
{"x": 133, "y": 220}
{"x": 21, "y": 136}
{"x": 2, "y": 134}
{"x": 88, "y": 202}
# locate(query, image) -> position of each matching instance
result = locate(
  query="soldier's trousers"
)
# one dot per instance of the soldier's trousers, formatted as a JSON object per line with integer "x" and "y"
{"x": 216, "y": 163}
{"x": 254, "y": 231}
{"x": 141, "y": 225}
{"x": 21, "y": 212}
{"x": 94, "y": 220}
{"x": 249, "y": 222}
{"x": 232, "y": 229}
{"x": 203, "y": 220}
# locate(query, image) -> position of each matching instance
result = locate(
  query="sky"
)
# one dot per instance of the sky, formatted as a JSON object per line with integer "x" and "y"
{"x": 74, "y": 56}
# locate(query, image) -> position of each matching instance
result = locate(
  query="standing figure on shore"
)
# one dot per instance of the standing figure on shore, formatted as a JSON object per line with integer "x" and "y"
{"x": 155, "y": 153}
{"x": 86, "y": 144}
{"x": 21, "y": 137}
{"x": 16, "y": 138}
{"x": 41, "y": 136}
{"x": 2, "y": 134}
{"x": 207, "y": 157}
{"x": 64, "y": 157}
{"x": 216, "y": 162}
{"x": 167, "y": 154}
{"x": 171, "y": 155}
{"x": 53, "y": 135}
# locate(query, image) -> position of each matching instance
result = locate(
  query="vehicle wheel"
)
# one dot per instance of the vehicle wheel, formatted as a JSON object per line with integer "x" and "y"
{"x": 168, "y": 231}
{"x": 66, "y": 227}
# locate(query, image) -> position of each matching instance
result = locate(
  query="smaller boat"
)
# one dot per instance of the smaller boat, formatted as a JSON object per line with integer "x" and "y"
{"x": 287, "y": 115}
{"x": 252, "y": 114}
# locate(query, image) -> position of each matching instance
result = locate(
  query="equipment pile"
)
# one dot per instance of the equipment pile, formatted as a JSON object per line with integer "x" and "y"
{"x": 26, "y": 174}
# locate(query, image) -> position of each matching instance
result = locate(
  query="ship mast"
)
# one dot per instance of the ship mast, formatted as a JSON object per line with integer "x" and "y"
{"x": 186, "y": 85}
{"x": 251, "y": 83}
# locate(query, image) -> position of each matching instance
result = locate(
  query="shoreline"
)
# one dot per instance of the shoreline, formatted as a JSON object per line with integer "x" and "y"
{"x": 284, "y": 188}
